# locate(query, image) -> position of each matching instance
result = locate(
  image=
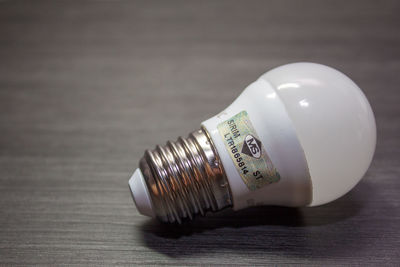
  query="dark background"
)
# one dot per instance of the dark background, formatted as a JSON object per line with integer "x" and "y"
{"x": 87, "y": 86}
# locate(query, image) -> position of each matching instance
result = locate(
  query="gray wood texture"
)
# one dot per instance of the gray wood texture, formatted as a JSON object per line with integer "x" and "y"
{"x": 87, "y": 86}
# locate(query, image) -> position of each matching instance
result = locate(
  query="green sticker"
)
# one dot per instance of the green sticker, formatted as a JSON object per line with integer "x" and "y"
{"x": 247, "y": 152}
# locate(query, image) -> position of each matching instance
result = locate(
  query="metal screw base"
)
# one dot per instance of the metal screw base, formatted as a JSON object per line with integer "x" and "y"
{"x": 185, "y": 178}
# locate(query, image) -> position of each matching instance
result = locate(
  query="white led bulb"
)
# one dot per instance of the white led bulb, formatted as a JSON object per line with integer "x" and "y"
{"x": 303, "y": 134}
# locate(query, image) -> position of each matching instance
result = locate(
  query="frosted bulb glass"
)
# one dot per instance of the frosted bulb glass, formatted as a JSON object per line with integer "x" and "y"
{"x": 303, "y": 134}
{"x": 334, "y": 123}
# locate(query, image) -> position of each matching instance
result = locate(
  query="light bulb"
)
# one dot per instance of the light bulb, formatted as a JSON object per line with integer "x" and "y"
{"x": 303, "y": 134}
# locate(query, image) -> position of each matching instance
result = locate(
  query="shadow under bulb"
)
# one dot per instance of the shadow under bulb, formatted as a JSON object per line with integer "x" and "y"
{"x": 303, "y": 134}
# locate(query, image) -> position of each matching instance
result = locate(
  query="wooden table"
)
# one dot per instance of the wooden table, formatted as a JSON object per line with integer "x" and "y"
{"x": 87, "y": 86}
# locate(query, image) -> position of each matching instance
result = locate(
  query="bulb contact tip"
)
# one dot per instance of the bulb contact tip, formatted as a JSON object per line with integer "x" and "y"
{"x": 140, "y": 194}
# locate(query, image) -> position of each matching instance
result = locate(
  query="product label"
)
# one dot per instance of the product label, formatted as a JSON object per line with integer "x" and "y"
{"x": 247, "y": 152}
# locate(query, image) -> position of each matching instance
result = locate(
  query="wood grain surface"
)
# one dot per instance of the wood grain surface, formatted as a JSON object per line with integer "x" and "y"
{"x": 87, "y": 86}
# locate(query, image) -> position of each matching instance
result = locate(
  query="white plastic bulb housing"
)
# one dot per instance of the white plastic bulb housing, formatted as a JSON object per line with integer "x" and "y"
{"x": 303, "y": 134}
